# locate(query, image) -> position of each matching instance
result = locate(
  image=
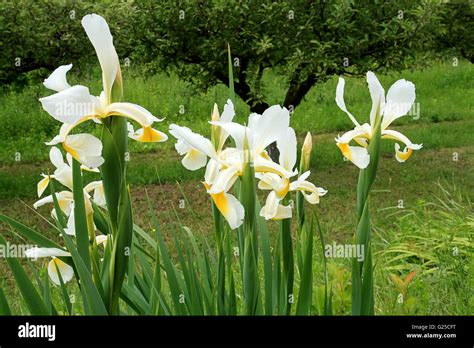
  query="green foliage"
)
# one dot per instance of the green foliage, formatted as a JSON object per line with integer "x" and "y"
{"x": 307, "y": 41}
{"x": 31, "y": 46}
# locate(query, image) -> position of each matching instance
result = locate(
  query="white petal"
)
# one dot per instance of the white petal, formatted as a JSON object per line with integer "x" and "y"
{"x": 36, "y": 253}
{"x": 377, "y": 93}
{"x": 99, "y": 35}
{"x": 71, "y": 227}
{"x": 194, "y": 160}
{"x": 56, "y": 157}
{"x": 66, "y": 271}
{"x": 356, "y": 154}
{"x": 64, "y": 176}
{"x": 230, "y": 207}
{"x": 70, "y": 105}
{"x": 269, "y": 210}
{"x": 287, "y": 147}
{"x": 42, "y": 185}
{"x": 283, "y": 212}
{"x": 132, "y": 111}
{"x": 271, "y": 126}
{"x": 397, "y": 136}
{"x": 85, "y": 148}
{"x": 212, "y": 170}
{"x": 340, "y": 100}
{"x": 57, "y": 81}
{"x": 400, "y": 98}
{"x": 237, "y": 132}
{"x": 224, "y": 180}
{"x": 193, "y": 140}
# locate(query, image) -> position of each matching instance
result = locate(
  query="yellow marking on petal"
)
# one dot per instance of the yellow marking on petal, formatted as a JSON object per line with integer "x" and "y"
{"x": 42, "y": 185}
{"x": 150, "y": 135}
{"x": 404, "y": 155}
{"x": 346, "y": 151}
{"x": 221, "y": 203}
{"x": 70, "y": 150}
{"x": 281, "y": 192}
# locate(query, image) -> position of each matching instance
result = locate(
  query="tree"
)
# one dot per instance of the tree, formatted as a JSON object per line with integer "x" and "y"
{"x": 39, "y": 36}
{"x": 308, "y": 41}
{"x": 457, "y": 20}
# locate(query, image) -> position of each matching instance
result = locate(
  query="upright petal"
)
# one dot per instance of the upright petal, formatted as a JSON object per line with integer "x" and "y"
{"x": 340, "y": 100}
{"x": 57, "y": 81}
{"x": 98, "y": 32}
{"x": 400, "y": 98}
{"x": 271, "y": 126}
{"x": 377, "y": 93}
{"x": 287, "y": 147}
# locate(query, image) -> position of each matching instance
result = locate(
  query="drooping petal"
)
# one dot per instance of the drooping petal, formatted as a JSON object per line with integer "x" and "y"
{"x": 57, "y": 81}
{"x": 283, "y": 212}
{"x": 98, "y": 32}
{"x": 377, "y": 94}
{"x": 400, "y": 98}
{"x": 230, "y": 207}
{"x": 65, "y": 198}
{"x": 270, "y": 208}
{"x": 85, "y": 148}
{"x": 99, "y": 194}
{"x": 340, "y": 100}
{"x": 70, "y": 105}
{"x": 287, "y": 147}
{"x": 148, "y": 135}
{"x": 194, "y": 140}
{"x": 397, "y": 136}
{"x": 66, "y": 271}
{"x": 36, "y": 253}
{"x": 224, "y": 180}
{"x": 194, "y": 160}
{"x": 262, "y": 165}
{"x": 310, "y": 192}
{"x": 132, "y": 111}
{"x": 356, "y": 154}
{"x": 64, "y": 176}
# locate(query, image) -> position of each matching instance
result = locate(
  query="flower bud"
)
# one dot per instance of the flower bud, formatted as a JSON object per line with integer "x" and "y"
{"x": 306, "y": 153}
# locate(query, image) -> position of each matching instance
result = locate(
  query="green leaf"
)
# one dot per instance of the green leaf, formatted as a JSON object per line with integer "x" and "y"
{"x": 80, "y": 216}
{"x": 4, "y": 307}
{"x": 303, "y": 306}
{"x": 93, "y": 297}
{"x": 29, "y": 234}
{"x": 30, "y": 295}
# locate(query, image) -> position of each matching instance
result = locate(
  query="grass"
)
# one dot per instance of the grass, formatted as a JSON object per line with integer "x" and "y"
{"x": 401, "y": 212}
